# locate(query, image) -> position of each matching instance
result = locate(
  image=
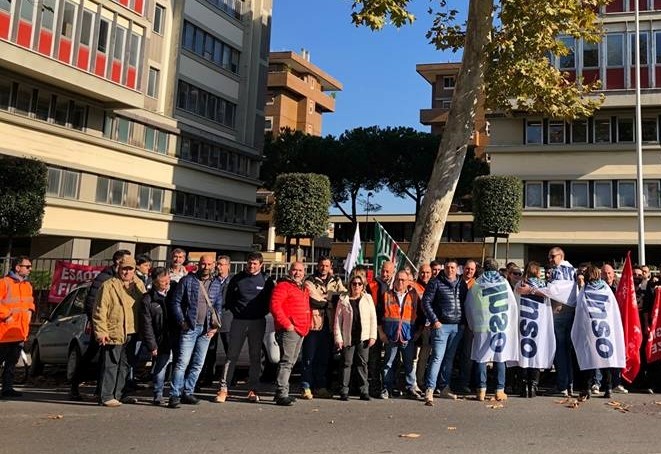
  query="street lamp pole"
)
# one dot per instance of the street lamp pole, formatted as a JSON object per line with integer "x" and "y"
{"x": 639, "y": 149}
{"x": 367, "y": 214}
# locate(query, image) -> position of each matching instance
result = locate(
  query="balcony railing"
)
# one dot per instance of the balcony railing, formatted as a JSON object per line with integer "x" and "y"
{"x": 232, "y": 7}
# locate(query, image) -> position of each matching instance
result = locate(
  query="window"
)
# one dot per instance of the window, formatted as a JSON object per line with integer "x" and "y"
{"x": 104, "y": 27}
{"x": 47, "y": 14}
{"x": 86, "y": 28}
{"x": 210, "y": 48}
{"x": 5, "y": 94}
{"x": 61, "y": 111}
{"x": 77, "y": 116}
{"x": 5, "y": 5}
{"x": 568, "y": 61}
{"x": 579, "y": 194}
{"x": 162, "y": 142}
{"x": 63, "y": 183}
{"x": 657, "y": 47}
{"x": 614, "y": 50}
{"x": 448, "y": 82}
{"x": 625, "y": 130}
{"x": 534, "y": 131}
{"x": 24, "y": 100}
{"x": 579, "y": 131}
{"x": 626, "y": 194}
{"x": 268, "y": 124}
{"x": 27, "y": 10}
{"x": 533, "y": 195}
{"x": 602, "y": 130}
{"x": 116, "y": 192}
{"x": 123, "y": 130}
{"x": 556, "y": 132}
{"x": 153, "y": 82}
{"x": 556, "y": 194}
{"x": 159, "y": 18}
{"x": 651, "y": 194}
{"x": 68, "y": 19}
{"x": 650, "y": 130}
{"x": 210, "y": 106}
{"x": 118, "y": 50}
{"x": 134, "y": 49}
{"x": 603, "y": 195}
{"x": 590, "y": 55}
{"x": 42, "y": 109}
{"x": 446, "y": 104}
{"x": 643, "y": 48}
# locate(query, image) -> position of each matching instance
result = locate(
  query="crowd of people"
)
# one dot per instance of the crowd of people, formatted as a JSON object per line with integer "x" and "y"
{"x": 353, "y": 338}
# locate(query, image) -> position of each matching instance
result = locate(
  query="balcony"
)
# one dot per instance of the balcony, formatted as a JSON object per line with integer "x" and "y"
{"x": 288, "y": 81}
{"x": 435, "y": 116}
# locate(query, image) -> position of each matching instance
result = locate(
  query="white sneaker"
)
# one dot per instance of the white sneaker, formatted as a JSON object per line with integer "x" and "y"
{"x": 594, "y": 390}
{"x": 620, "y": 389}
{"x": 447, "y": 394}
{"x": 429, "y": 397}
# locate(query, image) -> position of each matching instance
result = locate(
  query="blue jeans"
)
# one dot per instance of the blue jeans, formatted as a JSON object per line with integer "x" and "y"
{"x": 158, "y": 372}
{"x": 193, "y": 345}
{"x": 562, "y": 323}
{"x": 500, "y": 375}
{"x": 317, "y": 347}
{"x": 444, "y": 342}
{"x": 408, "y": 355}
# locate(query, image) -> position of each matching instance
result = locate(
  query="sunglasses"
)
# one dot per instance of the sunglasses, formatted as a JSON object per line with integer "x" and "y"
{"x": 517, "y": 273}
{"x": 356, "y": 284}
{"x": 25, "y": 266}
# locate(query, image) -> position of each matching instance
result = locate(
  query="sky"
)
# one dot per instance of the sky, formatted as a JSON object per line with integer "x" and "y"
{"x": 377, "y": 69}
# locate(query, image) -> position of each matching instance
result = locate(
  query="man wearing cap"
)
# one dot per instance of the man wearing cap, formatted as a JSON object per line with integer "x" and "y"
{"x": 115, "y": 324}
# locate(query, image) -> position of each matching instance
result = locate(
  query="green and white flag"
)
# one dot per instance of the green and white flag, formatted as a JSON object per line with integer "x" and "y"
{"x": 385, "y": 248}
{"x": 355, "y": 256}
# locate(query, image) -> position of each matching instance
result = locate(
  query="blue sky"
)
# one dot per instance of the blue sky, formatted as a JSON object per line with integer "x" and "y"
{"x": 377, "y": 69}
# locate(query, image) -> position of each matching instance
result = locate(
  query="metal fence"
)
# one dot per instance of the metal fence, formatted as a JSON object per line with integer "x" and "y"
{"x": 44, "y": 268}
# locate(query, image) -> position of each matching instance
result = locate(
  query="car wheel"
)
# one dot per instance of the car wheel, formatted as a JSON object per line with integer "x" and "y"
{"x": 269, "y": 369}
{"x": 37, "y": 367}
{"x": 73, "y": 361}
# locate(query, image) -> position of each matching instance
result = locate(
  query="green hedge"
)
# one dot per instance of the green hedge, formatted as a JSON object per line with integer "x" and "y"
{"x": 497, "y": 204}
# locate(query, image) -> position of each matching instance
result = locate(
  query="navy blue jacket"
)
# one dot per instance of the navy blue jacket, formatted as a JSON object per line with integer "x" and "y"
{"x": 183, "y": 306}
{"x": 248, "y": 296}
{"x": 443, "y": 301}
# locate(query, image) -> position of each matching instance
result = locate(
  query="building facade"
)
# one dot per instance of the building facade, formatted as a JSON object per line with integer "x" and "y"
{"x": 147, "y": 116}
{"x": 580, "y": 176}
{"x": 299, "y": 93}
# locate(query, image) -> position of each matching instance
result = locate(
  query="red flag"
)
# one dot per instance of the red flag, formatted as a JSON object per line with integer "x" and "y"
{"x": 653, "y": 347}
{"x": 633, "y": 334}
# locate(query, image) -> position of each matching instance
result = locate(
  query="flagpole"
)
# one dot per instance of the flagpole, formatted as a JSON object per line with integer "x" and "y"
{"x": 639, "y": 149}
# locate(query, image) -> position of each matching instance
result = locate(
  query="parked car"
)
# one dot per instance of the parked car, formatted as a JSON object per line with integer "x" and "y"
{"x": 64, "y": 337}
{"x": 270, "y": 348}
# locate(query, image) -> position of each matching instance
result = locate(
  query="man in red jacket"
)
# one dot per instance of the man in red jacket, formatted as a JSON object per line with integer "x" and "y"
{"x": 291, "y": 314}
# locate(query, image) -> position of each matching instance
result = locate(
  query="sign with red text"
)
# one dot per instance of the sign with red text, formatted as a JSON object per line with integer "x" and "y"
{"x": 68, "y": 275}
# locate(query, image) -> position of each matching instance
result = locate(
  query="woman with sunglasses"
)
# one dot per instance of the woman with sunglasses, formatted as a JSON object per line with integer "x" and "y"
{"x": 354, "y": 333}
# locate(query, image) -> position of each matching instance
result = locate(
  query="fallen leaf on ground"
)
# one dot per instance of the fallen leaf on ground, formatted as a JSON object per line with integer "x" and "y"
{"x": 452, "y": 428}
{"x": 658, "y": 402}
{"x": 315, "y": 409}
{"x": 409, "y": 435}
{"x": 573, "y": 405}
{"x": 495, "y": 406}
{"x": 563, "y": 401}
{"x": 55, "y": 416}
{"x": 613, "y": 403}
{"x": 332, "y": 421}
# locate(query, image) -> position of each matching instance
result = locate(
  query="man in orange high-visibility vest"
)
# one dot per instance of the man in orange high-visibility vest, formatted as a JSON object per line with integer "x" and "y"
{"x": 16, "y": 308}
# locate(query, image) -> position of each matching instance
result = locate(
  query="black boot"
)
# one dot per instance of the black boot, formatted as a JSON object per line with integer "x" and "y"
{"x": 532, "y": 389}
{"x": 523, "y": 392}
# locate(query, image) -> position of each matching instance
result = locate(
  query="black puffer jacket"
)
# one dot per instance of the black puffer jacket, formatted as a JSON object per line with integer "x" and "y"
{"x": 156, "y": 327}
{"x": 443, "y": 301}
{"x": 90, "y": 299}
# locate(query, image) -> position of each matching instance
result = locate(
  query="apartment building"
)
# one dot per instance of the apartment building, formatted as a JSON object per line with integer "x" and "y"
{"x": 442, "y": 78}
{"x": 148, "y": 114}
{"x": 580, "y": 176}
{"x": 299, "y": 93}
